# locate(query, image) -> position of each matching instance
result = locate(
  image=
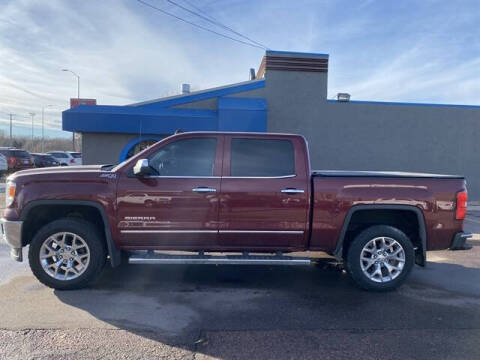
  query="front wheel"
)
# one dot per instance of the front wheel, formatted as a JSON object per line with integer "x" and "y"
{"x": 380, "y": 258}
{"x": 67, "y": 254}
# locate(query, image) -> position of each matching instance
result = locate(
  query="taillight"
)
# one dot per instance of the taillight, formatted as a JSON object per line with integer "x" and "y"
{"x": 72, "y": 161}
{"x": 461, "y": 205}
{"x": 11, "y": 160}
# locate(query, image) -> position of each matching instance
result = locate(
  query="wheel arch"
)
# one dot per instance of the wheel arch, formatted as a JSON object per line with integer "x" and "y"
{"x": 420, "y": 256}
{"x": 113, "y": 252}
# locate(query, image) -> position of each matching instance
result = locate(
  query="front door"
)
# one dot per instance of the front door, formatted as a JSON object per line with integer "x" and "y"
{"x": 176, "y": 206}
{"x": 264, "y": 201}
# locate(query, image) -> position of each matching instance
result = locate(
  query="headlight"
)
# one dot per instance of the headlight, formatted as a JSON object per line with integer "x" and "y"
{"x": 10, "y": 193}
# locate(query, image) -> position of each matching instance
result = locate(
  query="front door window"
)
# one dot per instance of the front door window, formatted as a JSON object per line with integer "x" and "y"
{"x": 188, "y": 157}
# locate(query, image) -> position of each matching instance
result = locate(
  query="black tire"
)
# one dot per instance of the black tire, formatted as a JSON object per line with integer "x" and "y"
{"x": 88, "y": 233}
{"x": 353, "y": 263}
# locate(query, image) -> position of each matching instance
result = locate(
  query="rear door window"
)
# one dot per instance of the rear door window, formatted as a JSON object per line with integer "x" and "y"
{"x": 261, "y": 158}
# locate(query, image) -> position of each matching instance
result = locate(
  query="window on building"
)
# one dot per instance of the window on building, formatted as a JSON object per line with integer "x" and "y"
{"x": 261, "y": 157}
{"x": 187, "y": 157}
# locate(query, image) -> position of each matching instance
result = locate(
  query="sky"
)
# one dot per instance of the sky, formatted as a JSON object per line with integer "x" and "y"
{"x": 126, "y": 52}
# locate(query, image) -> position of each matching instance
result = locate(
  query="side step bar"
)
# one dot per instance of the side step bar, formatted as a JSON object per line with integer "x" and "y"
{"x": 152, "y": 258}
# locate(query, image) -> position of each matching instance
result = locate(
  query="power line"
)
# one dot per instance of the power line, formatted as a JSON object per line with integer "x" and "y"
{"x": 199, "y": 26}
{"x": 199, "y": 9}
{"x": 215, "y": 22}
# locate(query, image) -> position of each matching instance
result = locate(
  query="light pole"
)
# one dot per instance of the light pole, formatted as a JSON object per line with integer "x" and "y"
{"x": 32, "y": 114}
{"x": 43, "y": 126}
{"x": 78, "y": 97}
{"x": 78, "y": 81}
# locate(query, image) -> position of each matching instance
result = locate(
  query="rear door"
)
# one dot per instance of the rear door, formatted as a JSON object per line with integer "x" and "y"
{"x": 264, "y": 197}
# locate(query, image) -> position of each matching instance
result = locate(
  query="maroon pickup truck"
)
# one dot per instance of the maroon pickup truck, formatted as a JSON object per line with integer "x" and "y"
{"x": 229, "y": 198}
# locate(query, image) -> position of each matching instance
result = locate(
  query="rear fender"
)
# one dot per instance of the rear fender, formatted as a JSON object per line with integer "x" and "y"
{"x": 420, "y": 254}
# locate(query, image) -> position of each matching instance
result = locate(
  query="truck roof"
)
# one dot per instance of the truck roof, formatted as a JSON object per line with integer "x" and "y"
{"x": 236, "y": 133}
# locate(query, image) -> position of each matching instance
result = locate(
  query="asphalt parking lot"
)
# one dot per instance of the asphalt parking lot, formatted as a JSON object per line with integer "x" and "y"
{"x": 233, "y": 312}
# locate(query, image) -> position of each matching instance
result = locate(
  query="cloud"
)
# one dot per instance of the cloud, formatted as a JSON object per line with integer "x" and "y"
{"x": 125, "y": 52}
{"x": 122, "y": 51}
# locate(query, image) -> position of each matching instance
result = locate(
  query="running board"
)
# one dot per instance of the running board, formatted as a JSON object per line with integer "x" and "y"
{"x": 246, "y": 259}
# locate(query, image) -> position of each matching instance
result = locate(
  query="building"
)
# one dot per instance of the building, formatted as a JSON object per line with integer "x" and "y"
{"x": 289, "y": 94}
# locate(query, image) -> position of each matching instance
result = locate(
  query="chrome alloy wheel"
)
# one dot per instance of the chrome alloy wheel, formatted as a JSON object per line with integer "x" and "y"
{"x": 382, "y": 259}
{"x": 64, "y": 256}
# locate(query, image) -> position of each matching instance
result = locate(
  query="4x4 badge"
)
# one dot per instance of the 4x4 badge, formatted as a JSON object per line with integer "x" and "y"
{"x": 108, "y": 175}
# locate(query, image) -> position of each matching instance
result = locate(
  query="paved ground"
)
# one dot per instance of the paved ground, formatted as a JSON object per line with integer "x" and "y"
{"x": 231, "y": 312}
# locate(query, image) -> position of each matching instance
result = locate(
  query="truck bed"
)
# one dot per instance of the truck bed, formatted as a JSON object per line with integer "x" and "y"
{"x": 337, "y": 194}
{"x": 382, "y": 174}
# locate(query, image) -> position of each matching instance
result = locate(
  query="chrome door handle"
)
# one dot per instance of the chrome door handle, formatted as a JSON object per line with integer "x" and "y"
{"x": 293, "y": 191}
{"x": 203, "y": 189}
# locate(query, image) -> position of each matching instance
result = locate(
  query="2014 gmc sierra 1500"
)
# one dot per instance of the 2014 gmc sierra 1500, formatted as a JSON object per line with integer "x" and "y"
{"x": 250, "y": 197}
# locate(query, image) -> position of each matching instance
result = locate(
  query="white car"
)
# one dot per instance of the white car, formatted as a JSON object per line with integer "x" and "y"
{"x": 63, "y": 157}
{"x": 3, "y": 164}
{"x": 77, "y": 156}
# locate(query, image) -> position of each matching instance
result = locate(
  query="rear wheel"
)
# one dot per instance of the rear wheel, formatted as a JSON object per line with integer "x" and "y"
{"x": 67, "y": 254}
{"x": 380, "y": 258}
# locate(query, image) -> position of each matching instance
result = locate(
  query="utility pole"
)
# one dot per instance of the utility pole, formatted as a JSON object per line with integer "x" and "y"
{"x": 78, "y": 97}
{"x": 11, "y": 139}
{"x": 43, "y": 126}
{"x": 32, "y": 114}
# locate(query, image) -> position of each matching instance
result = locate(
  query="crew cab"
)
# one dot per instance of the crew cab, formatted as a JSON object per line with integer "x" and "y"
{"x": 229, "y": 198}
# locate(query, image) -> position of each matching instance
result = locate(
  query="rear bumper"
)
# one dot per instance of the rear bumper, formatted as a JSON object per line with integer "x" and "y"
{"x": 459, "y": 241}
{"x": 11, "y": 232}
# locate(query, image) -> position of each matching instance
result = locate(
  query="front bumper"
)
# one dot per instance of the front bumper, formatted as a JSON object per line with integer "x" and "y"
{"x": 459, "y": 242}
{"x": 11, "y": 232}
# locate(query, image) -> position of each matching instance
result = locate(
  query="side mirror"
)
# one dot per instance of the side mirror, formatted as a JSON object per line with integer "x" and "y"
{"x": 141, "y": 168}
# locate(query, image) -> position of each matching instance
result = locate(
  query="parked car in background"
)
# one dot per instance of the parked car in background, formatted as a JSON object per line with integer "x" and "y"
{"x": 3, "y": 165}
{"x": 17, "y": 159}
{"x": 77, "y": 156}
{"x": 44, "y": 160}
{"x": 63, "y": 157}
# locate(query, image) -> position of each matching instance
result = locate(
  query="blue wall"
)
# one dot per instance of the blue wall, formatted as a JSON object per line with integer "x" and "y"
{"x": 242, "y": 114}
{"x": 157, "y": 117}
{"x": 132, "y": 120}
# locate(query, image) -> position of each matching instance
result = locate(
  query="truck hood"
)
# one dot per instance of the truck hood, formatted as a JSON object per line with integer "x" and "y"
{"x": 62, "y": 171}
